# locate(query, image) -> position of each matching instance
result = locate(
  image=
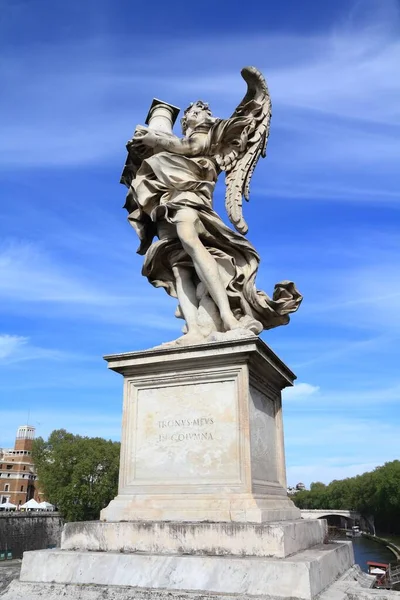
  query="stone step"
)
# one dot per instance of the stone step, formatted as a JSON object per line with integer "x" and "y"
{"x": 302, "y": 576}
{"x": 278, "y": 539}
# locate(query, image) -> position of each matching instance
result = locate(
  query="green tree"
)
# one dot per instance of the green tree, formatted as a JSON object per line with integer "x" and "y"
{"x": 375, "y": 493}
{"x": 77, "y": 474}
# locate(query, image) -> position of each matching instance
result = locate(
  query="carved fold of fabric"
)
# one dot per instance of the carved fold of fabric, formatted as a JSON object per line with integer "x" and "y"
{"x": 166, "y": 183}
{"x": 167, "y": 177}
{"x": 238, "y": 263}
{"x": 164, "y": 178}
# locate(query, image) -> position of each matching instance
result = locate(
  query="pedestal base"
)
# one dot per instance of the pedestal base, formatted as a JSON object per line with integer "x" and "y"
{"x": 202, "y": 435}
{"x": 352, "y": 585}
{"x": 207, "y": 539}
{"x": 302, "y": 576}
{"x": 202, "y": 486}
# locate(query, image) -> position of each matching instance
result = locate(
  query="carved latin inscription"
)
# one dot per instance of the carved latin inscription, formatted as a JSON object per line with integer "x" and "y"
{"x": 186, "y": 436}
{"x": 187, "y": 431}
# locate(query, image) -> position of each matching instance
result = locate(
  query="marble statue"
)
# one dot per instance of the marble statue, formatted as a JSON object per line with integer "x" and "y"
{"x": 189, "y": 251}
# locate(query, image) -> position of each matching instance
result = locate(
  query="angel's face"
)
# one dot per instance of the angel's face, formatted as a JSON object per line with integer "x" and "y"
{"x": 195, "y": 115}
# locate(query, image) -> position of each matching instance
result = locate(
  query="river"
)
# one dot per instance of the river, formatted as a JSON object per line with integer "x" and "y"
{"x": 367, "y": 549}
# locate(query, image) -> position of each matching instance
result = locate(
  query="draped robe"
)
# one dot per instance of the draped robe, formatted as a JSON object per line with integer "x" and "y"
{"x": 167, "y": 182}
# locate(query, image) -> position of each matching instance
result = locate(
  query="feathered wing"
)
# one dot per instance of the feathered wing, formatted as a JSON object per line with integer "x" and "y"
{"x": 243, "y": 139}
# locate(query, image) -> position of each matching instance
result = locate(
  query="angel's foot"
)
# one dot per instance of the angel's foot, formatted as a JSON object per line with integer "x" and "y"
{"x": 193, "y": 336}
{"x": 230, "y": 322}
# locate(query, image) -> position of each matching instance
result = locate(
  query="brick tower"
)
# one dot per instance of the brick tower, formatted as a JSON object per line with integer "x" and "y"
{"x": 24, "y": 439}
{"x": 18, "y": 482}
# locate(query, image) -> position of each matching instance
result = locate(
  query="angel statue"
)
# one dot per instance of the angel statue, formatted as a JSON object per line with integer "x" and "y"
{"x": 196, "y": 258}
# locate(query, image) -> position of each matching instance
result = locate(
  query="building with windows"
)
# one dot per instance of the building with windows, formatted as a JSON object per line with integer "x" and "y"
{"x": 18, "y": 481}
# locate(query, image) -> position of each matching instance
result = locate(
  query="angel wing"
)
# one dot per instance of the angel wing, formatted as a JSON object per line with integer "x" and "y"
{"x": 252, "y": 118}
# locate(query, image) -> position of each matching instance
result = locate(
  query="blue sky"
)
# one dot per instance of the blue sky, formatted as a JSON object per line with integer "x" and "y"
{"x": 76, "y": 79}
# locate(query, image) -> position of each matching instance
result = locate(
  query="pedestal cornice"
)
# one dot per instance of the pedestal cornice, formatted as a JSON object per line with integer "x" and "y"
{"x": 239, "y": 350}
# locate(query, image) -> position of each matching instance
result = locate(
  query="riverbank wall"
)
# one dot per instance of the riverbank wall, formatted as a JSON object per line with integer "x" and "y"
{"x": 29, "y": 531}
{"x": 392, "y": 547}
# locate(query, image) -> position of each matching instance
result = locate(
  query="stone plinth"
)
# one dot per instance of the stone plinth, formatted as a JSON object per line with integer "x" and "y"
{"x": 302, "y": 576}
{"x": 209, "y": 539}
{"x": 202, "y": 435}
{"x": 202, "y": 508}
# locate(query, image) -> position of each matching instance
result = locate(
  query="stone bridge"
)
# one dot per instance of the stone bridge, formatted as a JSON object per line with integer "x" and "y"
{"x": 341, "y": 518}
{"x": 351, "y": 515}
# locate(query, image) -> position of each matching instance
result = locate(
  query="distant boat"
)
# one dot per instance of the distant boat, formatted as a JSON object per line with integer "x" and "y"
{"x": 381, "y": 572}
{"x": 355, "y": 532}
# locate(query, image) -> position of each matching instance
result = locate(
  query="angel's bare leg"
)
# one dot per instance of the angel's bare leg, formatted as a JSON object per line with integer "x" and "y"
{"x": 205, "y": 265}
{"x": 186, "y": 292}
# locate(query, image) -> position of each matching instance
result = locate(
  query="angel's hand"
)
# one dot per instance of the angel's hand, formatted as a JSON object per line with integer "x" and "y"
{"x": 147, "y": 138}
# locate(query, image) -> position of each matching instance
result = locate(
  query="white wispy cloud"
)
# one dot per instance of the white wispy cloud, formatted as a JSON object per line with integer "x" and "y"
{"x": 351, "y": 283}
{"x": 349, "y": 71}
{"x": 77, "y": 101}
{"x": 328, "y": 190}
{"x": 312, "y": 397}
{"x": 367, "y": 296}
{"x": 300, "y": 391}
{"x": 10, "y": 344}
{"x": 16, "y": 349}
{"x": 29, "y": 275}
{"x": 323, "y": 448}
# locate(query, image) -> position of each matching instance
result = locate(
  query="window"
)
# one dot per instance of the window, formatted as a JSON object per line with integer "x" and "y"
{"x": 8, "y": 475}
{"x": 23, "y": 476}
{"x": 24, "y": 468}
{"x": 22, "y": 488}
{"x": 9, "y": 467}
{"x": 6, "y": 487}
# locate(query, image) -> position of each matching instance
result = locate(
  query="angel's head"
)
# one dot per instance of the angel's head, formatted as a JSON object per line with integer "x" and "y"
{"x": 196, "y": 113}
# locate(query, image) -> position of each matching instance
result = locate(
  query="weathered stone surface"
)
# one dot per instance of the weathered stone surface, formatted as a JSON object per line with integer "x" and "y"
{"x": 41, "y": 591}
{"x": 210, "y": 268}
{"x": 20, "y": 531}
{"x": 212, "y": 539}
{"x": 356, "y": 585}
{"x": 301, "y": 576}
{"x": 202, "y": 435}
{"x": 9, "y": 571}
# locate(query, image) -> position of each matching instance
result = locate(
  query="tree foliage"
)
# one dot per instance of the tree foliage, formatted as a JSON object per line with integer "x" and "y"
{"x": 77, "y": 474}
{"x": 375, "y": 493}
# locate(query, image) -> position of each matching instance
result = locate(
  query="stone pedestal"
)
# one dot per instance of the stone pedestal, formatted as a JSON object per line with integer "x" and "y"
{"x": 202, "y": 508}
{"x": 202, "y": 435}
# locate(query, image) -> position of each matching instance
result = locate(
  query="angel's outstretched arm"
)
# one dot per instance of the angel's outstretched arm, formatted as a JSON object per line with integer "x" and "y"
{"x": 192, "y": 146}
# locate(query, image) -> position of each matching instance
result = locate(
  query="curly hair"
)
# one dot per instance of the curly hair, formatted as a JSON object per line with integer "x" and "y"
{"x": 199, "y": 104}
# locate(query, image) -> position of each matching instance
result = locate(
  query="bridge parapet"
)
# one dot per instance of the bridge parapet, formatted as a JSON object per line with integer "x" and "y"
{"x": 321, "y": 513}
